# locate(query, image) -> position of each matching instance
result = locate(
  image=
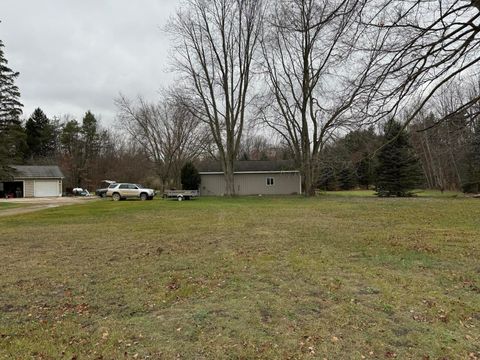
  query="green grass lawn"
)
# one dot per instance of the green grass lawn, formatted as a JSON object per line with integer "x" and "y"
{"x": 6, "y": 205}
{"x": 340, "y": 276}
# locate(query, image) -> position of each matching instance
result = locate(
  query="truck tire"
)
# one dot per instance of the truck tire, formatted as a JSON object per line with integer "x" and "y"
{"x": 143, "y": 196}
{"x": 116, "y": 197}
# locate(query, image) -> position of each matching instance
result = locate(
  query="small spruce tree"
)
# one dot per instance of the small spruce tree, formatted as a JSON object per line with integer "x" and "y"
{"x": 346, "y": 178}
{"x": 190, "y": 177}
{"x": 398, "y": 170}
{"x": 328, "y": 179}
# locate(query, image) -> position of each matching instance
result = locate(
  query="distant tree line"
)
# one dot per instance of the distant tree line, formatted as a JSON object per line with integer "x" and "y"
{"x": 444, "y": 157}
{"x": 86, "y": 153}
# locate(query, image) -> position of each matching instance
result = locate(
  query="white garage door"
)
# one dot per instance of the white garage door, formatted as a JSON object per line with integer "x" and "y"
{"x": 46, "y": 188}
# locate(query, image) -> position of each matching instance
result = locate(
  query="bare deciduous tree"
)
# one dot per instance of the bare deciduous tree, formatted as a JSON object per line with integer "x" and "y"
{"x": 216, "y": 43}
{"x": 315, "y": 78}
{"x": 167, "y": 131}
{"x": 427, "y": 45}
{"x": 442, "y": 145}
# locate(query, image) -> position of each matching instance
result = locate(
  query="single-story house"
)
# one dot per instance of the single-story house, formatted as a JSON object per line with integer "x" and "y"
{"x": 252, "y": 178}
{"x": 33, "y": 181}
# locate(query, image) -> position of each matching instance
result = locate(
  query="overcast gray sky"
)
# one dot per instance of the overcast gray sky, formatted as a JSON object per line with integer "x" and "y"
{"x": 75, "y": 56}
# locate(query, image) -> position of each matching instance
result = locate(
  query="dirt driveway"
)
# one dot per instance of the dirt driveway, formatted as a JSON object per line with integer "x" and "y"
{"x": 37, "y": 204}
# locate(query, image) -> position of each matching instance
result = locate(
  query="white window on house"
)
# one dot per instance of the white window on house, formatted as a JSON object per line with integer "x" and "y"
{"x": 270, "y": 181}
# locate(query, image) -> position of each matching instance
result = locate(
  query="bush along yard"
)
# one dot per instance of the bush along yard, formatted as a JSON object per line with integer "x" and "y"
{"x": 342, "y": 276}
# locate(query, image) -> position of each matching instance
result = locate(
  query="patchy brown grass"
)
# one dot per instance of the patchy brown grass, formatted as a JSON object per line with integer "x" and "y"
{"x": 336, "y": 277}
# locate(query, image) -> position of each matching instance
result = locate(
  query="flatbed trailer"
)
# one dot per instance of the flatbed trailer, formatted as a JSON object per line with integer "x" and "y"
{"x": 181, "y": 194}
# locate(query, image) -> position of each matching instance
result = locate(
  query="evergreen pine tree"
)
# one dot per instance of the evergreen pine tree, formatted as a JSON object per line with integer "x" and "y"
{"x": 91, "y": 136}
{"x": 328, "y": 180}
{"x": 41, "y": 135}
{"x": 190, "y": 177}
{"x": 398, "y": 171}
{"x": 12, "y": 140}
{"x": 10, "y": 106}
{"x": 365, "y": 176}
{"x": 346, "y": 178}
{"x": 72, "y": 148}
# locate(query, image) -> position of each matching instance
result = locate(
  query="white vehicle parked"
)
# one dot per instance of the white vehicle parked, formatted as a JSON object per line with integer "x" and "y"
{"x": 125, "y": 190}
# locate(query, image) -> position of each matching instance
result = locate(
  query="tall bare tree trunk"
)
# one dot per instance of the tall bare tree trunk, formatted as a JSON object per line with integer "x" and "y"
{"x": 307, "y": 45}
{"x": 309, "y": 176}
{"x": 218, "y": 41}
{"x": 229, "y": 178}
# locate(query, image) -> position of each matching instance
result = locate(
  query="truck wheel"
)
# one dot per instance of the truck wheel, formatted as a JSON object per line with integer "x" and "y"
{"x": 116, "y": 197}
{"x": 143, "y": 196}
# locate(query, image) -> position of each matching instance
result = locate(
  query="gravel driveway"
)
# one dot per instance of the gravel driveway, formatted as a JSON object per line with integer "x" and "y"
{"x": 37, "y": 204}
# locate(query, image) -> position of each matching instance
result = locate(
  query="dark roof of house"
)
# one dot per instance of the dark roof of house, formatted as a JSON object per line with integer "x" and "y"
{"x": 36, "y": 172}
{"x": 249, "y": 166}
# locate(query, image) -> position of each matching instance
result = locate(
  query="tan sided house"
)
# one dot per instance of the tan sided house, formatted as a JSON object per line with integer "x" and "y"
{"x": 32, "y": 181}
{"x": 252, "y": 178}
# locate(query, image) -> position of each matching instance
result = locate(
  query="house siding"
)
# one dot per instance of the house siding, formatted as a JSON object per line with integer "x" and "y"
{"x": 252, "y": 184}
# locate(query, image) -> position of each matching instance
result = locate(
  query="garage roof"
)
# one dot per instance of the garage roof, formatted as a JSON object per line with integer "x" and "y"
{"x": 249, "y": 166}
{"x": 37, "y": 172}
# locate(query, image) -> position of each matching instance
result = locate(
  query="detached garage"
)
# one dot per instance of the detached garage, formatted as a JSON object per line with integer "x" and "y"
{"x": 252, "y": 178}
{"x": 33, "y": 181}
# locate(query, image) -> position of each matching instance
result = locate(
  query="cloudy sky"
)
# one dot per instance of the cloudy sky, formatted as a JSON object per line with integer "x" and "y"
{"x": 75, "y": 56}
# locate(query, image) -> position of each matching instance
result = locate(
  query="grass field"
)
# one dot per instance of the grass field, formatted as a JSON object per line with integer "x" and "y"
{"x": 6, "y": 205}
{"x": 340, "y": 276}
